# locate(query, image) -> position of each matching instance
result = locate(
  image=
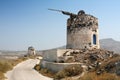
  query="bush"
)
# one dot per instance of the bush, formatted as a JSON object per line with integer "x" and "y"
{"x": 44, "y": 70}
{"x": 73, "y": 70}
{"x": 37, "y": 67}
{"x": 60, "y": 75}
{"x": 69, "y": 71}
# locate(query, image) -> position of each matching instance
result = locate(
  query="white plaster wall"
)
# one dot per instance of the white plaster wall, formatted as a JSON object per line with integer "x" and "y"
{"x": 53, "y": 55}
{"x": 31, "y": 52}
{"x": 55, "y": 67}
{"x": 50, "y": 55}
{"x": 60, "y": 52}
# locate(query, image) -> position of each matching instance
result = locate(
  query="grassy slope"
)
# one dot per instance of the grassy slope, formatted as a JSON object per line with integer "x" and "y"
{"x": 8, "y": 64}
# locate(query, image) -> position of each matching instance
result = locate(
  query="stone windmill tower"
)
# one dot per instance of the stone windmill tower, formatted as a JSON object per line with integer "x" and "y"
{"x": 82, "y": 31}
{"x": 31, "y": 51}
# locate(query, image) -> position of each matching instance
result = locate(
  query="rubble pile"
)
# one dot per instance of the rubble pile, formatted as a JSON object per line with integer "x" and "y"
{"x": 86, "y": 56}
{"x": 97, "y": 59}
{"x": 112, "y": 65}
{"x": 82, "y": 20}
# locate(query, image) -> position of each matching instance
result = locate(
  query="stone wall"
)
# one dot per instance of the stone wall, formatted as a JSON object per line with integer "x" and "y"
{"x": 80, "y": 32}
{"x": 50, "y": 55}
{"x": 54, "y": 54}
{"x": 82, "y": 38}
{"x": 55, "y": 67}
{"x": 31, "y": 51}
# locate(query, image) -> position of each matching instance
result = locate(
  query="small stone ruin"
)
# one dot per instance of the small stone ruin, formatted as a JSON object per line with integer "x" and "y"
{"x": 31, "y": 51}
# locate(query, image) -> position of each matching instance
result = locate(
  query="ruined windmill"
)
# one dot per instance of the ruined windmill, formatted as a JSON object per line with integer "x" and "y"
{"x": 82, "y": 30}
{"x": 82, "y": 34}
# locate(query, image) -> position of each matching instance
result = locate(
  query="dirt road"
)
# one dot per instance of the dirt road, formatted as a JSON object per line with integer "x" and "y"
{"x": 25, "y": 71}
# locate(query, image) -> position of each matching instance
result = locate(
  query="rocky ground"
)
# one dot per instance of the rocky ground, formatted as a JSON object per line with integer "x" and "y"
{"x": 95, "y": 60}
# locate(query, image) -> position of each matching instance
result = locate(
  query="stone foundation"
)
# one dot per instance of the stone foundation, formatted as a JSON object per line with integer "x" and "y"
{"x": 55, "y": 67}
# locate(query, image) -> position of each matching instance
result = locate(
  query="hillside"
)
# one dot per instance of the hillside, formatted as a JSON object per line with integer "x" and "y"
{"x": 110, "y": 44}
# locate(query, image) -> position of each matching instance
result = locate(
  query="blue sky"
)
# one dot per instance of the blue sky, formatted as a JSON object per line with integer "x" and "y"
{"x": 26, "y": 23}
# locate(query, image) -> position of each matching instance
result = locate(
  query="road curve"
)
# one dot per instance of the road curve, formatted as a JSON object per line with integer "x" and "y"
{"x": 25, "y": 71}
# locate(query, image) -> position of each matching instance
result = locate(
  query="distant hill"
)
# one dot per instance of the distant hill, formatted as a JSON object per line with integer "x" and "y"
{"x": 110, "y": 44}
{"x": 15, "y": 53}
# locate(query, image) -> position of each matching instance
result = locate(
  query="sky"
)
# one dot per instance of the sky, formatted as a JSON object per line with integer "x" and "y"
{"x": 25, "y": 23}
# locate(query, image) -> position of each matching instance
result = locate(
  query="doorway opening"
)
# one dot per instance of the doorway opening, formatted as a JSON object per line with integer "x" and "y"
{"x": 94, "y": 39}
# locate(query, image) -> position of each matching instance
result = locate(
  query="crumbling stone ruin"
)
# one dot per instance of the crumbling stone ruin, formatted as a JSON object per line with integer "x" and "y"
{"x": 82, "y": 47}
{"x": 86, "y": 56}
{"x": 90, "y": 58}
{"x": 31, "y": 51}
{"x": 98, "y": 60}
{"x": 82, "y": 31}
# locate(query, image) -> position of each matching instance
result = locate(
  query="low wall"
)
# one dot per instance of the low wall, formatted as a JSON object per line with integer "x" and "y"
{"x": 55, "y": 67}
{"x": 50, "y": 55}
{"x": 53, "y": 54}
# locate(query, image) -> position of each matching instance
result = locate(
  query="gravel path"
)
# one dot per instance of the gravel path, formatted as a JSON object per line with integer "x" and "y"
{"x": 25, "y": 71}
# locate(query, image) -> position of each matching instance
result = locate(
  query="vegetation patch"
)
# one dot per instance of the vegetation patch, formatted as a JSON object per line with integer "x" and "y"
{"x": 104, "y": 76}
{"x": 8, "y": 64}
{"x": 100, "y": 65}
{"x": 70, "y": 71}
{"x": 44, "y": 71}
{"x": 109, "y": 66}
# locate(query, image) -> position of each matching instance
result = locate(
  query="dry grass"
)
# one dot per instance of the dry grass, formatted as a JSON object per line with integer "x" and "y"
{"x": 111, "y": 61}
{"x": 104, "y": 76}
{"x": 109, "y": 65}
{"x": 8, "y": 64}
{"x": 46, "y": 72}
{"x": 1, "y": 76}
{"x": 5, "y": 65}
{"x": 69, "y": 72}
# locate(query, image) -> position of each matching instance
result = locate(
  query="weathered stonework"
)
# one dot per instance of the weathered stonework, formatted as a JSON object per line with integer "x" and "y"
{"x": 82, "y": 32}
{"x": 31, "y": 51}
{"x": 82, "y": 36}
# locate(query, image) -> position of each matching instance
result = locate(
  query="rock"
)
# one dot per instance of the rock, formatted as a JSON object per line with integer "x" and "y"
{"x": 96, "y": 59}
{"x": 118, "y": 68}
